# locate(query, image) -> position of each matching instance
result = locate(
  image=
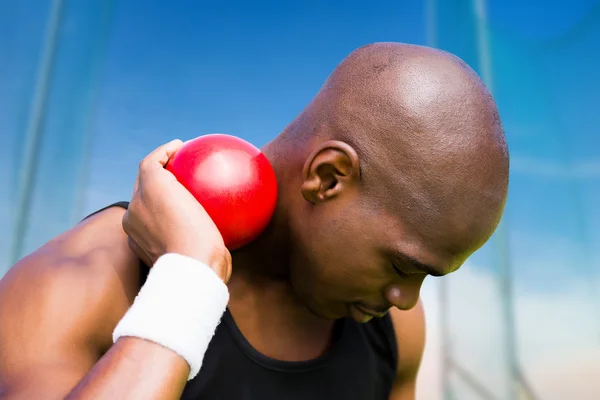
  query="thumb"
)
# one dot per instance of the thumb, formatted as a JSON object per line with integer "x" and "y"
{"x": 162, "y": 154}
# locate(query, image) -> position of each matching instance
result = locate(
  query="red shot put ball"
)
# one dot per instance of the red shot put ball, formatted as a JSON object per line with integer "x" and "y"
{"x": 234, "y": 182}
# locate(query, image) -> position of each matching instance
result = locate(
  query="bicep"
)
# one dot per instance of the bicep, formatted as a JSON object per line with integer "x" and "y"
{"x": 42, "y": 341}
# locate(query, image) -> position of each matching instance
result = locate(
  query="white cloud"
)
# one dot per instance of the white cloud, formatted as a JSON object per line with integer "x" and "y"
{"x": 537, "y": 167}
{"x": 574, "y": 377}
{"x": 548, "y": 261}
{"x": 558, "y": 337}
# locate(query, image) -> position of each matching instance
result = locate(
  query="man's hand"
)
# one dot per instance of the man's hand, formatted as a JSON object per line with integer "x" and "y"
{"x": 163, "y": 217}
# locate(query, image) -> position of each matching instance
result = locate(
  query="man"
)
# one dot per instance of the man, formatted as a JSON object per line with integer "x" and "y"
{"x": 398, "y": 169}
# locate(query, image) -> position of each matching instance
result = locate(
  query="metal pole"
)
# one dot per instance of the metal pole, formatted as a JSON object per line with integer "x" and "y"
{"x": 446, "y": 361}
{"x": 33, "y": 135}
{"x": 506, "y": 289}
{"x": 446, "y": 354}
{"x": 506, "y": 278}
{"x": 87, "y": 147}
{"x": 477, "y": 387}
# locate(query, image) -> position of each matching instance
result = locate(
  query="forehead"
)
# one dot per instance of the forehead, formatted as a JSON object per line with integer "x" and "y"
{"x": 448, "y": 209}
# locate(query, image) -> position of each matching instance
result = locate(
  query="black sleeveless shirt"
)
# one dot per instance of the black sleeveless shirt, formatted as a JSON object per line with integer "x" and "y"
{"x": 360, "y": 365}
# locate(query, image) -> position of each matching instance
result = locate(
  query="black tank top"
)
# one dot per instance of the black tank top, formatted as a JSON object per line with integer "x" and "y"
{"x": 360, "y": 365}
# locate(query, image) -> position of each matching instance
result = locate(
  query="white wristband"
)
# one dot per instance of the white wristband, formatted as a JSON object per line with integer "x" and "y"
{"x": 179, "y": 307}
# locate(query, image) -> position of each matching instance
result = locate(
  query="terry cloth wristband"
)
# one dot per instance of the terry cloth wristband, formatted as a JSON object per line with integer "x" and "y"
{"x": 179, "y": 307}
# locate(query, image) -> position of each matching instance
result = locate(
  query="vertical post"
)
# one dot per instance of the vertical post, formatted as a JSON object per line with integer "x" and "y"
{"x": 34, "y": 132}
{"x": 445, "y": 361}
{"x": 97, "y": 63}
{"x": 506, "y": 290}
{"x": 60, "y": 117}
{"x": 501, "y": 236}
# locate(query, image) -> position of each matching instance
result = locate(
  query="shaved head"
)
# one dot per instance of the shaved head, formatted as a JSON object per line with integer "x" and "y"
{"x": 431, "y": 134}
{"x": 402, "y": 147}
{"x": 427, "y": 131}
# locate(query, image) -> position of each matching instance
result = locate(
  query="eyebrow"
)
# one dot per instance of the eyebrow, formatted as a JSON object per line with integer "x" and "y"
{"x": 428, "y": 269}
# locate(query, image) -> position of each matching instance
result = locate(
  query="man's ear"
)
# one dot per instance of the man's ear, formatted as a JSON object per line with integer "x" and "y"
{"x": 332, "y": 168}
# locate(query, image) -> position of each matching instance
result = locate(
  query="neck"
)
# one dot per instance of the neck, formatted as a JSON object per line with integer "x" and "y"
{"x": 268, "y": 255}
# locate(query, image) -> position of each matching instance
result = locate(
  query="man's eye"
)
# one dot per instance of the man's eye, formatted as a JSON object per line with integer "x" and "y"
{"x": 401, "y": 273}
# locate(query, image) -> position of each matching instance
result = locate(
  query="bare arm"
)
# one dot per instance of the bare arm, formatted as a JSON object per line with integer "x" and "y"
{"x": 409, "y": 327}
{"x": 58, "y": 308}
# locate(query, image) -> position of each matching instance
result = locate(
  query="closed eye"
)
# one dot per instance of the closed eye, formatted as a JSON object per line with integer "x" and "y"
{"x": 401, "y": 273}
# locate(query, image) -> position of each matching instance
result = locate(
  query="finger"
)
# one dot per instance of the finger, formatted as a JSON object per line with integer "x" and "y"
{"x": 161, "y": 155}
{"x": 138, "y": 251}
{"x": 125, "y": 223}
{"x": 132, "y": 245}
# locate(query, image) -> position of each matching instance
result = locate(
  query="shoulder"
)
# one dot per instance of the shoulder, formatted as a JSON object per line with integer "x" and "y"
{"x": 60, "y": 304}
{"x": 409, "y": 330}
{"x": 85, "y": 278}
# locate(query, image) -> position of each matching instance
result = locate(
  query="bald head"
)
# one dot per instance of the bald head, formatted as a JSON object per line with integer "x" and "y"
{"x": 397, "y": 169}
{"x": 427, "y": 134}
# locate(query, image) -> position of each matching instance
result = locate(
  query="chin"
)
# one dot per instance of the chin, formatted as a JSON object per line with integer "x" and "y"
{"x": 325, "y": 313}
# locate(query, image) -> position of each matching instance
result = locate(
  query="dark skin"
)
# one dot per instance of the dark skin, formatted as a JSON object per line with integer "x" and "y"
{"x": 397, "y": 170}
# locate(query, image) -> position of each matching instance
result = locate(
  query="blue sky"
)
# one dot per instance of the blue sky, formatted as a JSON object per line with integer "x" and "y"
{"x": 249, "y": 68}
{"x": 140, "y": 73}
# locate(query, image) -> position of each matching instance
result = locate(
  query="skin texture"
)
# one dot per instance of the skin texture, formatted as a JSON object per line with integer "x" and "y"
{"x": 58, "y": 308}
{"x": 397, "y": 169}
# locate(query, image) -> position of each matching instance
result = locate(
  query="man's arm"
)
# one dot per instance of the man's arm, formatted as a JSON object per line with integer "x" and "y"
{"x": 409, "y": 327}
{"x": 58, "y": 308}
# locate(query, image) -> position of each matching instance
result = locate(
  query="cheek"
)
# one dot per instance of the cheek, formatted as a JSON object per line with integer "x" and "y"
{"x": 337, "y": 255}
{"x": 318, "y": 266}
{"x": 341, "y": 265}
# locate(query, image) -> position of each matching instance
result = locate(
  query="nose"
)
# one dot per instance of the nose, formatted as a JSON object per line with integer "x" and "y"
{"x": 403, "y": 295}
